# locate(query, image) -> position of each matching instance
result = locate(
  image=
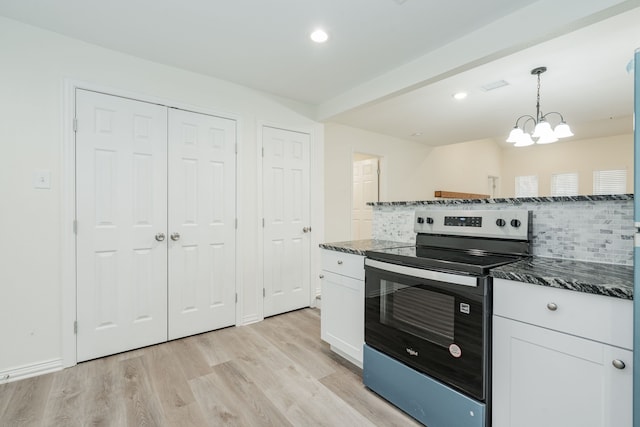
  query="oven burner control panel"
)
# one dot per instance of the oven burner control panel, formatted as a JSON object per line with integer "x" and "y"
{"x": 463, "y": 221}
{"x": 505, "y": 224}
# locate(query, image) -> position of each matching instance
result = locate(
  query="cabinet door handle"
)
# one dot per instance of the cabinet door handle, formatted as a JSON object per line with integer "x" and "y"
{"x": 618, "y": 364}
{"x": 322, "y": 276}
{"x": 552, "y": 306}
{"x": 339, "y": 262}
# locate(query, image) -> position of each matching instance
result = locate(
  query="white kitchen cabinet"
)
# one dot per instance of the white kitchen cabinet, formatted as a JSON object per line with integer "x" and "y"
{"x": 549, "y": 368}
{"x": 342, "y": 314}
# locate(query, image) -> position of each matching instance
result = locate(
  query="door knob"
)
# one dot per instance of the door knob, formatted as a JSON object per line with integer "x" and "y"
{"x": 175, "y": 236}
{"x": 306, "y": 229}
{"x": 160, "y": 237}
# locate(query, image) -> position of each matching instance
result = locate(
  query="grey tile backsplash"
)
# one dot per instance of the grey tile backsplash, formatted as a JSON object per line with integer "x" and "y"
{"x": 596, "y": 231}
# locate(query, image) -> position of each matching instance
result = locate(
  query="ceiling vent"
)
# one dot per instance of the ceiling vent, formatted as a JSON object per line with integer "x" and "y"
{"x": 494, "y": 85}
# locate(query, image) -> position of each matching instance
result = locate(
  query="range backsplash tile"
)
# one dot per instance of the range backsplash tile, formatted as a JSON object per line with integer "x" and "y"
{"x": 579, "y": 229}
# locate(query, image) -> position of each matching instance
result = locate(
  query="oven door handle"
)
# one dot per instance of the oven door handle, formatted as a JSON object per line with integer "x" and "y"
{"x": 423, "y": 273}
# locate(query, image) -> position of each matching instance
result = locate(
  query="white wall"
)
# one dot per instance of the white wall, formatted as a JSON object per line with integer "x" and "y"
{"x": 34, "y": 64}
{"x": 464, "y": 167}
{"x": 403, "y": 172}
{"x": 412, "y": 171}
{"x": 581, "y": 156}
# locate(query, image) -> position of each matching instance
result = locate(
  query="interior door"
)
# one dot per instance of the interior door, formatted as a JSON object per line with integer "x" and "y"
{"x": 365, "y": 190}
{"x": 286, "y": 220}
{"x": 121, "y": 167}
{"x": 202, "y": 245}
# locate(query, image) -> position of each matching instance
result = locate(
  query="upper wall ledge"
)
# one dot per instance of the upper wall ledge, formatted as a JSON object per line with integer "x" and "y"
{"x": 513, "y": 200}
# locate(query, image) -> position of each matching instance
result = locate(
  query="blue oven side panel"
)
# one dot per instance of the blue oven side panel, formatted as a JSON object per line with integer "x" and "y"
{"x": 636, "y": 262}
{"x": 425, "y": 399}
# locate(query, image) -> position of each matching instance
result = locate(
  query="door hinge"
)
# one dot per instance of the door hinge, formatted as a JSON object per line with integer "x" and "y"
{"x": 262, "y": 151}
{"x": 75, "y": 326}
{"x": 75, "y": 226}
{"x": 236, "y": 148}
{"x": 236, "y": 297}
{"x": 262, "y": 222}
{"x": 75, "y": 125}
{"x": 264, "y": 293}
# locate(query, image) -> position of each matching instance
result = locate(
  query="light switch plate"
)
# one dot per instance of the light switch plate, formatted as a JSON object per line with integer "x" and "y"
{"x": 42, "y": 179}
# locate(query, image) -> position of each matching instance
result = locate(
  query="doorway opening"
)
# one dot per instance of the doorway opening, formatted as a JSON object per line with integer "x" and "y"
{"x": 365, "y": 189}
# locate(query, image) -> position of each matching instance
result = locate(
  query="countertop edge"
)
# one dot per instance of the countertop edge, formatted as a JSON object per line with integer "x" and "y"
{"x": 360, "y": 247}
{"x": 508, "y": 200}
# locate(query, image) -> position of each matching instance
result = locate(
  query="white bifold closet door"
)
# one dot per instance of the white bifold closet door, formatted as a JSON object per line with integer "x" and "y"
{"x": 155, "y": 202}
{"x": 201, "y": 223}
{"x": 121, "y": 213}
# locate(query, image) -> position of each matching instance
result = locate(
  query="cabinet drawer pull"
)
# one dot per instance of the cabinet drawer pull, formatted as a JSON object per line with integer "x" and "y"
{"x": 619, "y": 364}
{"x": 552, "y": 306}
{"x": 339, "y": 262}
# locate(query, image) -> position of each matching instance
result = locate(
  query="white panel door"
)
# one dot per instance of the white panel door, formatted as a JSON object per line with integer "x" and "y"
{"x": 365, "y": 190}
{"x": 201, "y": 230}
{"x": 121, "y": 166}
{"x": 286, "y": 220}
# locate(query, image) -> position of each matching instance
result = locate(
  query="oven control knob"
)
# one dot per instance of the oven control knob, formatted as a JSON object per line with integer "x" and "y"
{"x": 515, "y": 223}
{"x": 420, "y": 220}
{"x": 501, "y": 222}
{"x": 429, "y": 220}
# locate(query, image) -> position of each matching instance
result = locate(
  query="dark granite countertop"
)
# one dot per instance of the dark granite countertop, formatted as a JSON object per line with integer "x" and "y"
{"x": 359, "y": 247}
{"x": 509, "y": 200}
{"x": 602, "y": 279}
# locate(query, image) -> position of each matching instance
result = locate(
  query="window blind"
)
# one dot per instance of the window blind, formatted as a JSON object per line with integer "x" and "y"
{"x": 564, "y": 184}
{"x": 610, "y": 181}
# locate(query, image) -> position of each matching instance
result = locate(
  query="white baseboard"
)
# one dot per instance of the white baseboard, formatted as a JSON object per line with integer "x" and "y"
{"x": 341, "y": 353}
{"x": 247, "y": 320}
{"x": 32, "y": 370}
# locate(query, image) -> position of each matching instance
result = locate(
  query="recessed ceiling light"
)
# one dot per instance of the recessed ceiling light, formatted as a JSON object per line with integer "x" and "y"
{"x": 319, "y": 36}
{"x": 460, "y": 95}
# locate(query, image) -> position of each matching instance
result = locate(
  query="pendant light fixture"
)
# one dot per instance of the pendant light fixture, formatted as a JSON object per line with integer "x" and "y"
{"x": 541, "y": 127}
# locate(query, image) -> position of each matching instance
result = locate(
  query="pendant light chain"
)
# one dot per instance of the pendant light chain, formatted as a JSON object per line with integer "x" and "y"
{"x": 538, "y": 114}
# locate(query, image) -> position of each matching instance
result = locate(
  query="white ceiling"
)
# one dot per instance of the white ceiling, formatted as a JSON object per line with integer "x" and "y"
{"x": 264, "y": 44}
{"x": 587, "y": 81}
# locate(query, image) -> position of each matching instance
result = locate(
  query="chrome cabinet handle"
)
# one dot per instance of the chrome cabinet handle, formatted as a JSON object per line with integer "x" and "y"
{"x": 552, "y": 306}
{"x": 306, "y": 229}
{"x": 339, "y": 262}
{"x": 618, "y": 364}
{"x": 322, "y": 276}
{"x": 175, "y": 236}
{"x": 160, "y": 237}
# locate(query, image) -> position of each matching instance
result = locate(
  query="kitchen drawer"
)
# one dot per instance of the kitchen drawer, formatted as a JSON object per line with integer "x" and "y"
{"x": 350, "y": 265}
{"x": 600, "y": 318}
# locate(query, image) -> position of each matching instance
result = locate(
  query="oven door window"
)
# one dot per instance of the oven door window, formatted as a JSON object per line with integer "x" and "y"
{"x": 420, "y": 312}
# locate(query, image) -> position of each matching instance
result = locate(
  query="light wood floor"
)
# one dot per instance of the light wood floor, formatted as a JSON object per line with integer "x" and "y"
{"x": 274, "y": 373}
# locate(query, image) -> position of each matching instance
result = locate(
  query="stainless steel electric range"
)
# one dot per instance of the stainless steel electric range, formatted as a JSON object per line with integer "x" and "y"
{"x": 428, "y": 313}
